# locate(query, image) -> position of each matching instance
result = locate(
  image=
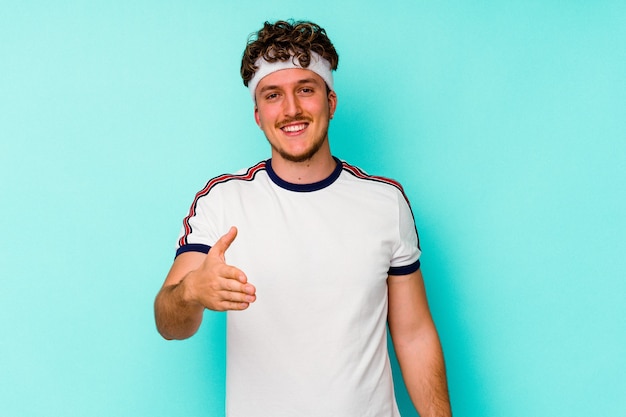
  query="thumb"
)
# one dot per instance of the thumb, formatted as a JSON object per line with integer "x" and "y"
{"x": 224, "y": 242}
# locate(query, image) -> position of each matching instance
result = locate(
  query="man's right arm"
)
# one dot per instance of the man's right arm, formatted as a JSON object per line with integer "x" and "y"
{"x": 197, "y": 281}
{"x": 176, "y": 316}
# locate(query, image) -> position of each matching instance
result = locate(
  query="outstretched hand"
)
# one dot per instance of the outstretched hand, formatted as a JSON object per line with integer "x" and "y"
{"x": 218, "y": 286}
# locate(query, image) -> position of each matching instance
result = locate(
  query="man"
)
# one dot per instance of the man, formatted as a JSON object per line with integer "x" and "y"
{"x": 332, "y": 252}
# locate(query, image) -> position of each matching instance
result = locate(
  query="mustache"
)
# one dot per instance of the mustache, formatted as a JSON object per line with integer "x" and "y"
{"x": 286, "y": 122}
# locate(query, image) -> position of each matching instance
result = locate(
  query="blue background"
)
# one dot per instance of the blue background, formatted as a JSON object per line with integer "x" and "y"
{"x": 505, "y": 121}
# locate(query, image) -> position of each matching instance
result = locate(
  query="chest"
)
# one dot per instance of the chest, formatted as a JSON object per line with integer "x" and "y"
{"x": 301, "y": 242}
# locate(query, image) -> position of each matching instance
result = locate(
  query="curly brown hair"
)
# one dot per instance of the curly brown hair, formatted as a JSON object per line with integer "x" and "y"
{"x": 285, "y": 40}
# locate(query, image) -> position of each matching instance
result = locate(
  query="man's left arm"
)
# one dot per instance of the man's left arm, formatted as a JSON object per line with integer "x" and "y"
{"x": 417, "y": 345}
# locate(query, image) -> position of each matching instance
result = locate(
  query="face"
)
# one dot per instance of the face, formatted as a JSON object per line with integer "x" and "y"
{"x": 293, "y": 110}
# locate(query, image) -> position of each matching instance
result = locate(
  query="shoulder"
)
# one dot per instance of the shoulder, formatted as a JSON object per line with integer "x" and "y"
{"x": 358, "y": 175}
{"x": 243, "y": 175}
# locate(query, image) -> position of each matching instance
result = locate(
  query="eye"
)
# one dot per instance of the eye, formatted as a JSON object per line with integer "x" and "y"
{"x": 307, "y": 90}
{"x": 271, "y": 96}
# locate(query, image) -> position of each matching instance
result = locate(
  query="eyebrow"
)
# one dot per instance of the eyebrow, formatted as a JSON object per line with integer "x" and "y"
{"x": 299, "y": 82}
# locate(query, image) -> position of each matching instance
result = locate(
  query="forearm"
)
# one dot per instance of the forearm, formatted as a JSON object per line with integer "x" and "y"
{"x": 423, "y": 369}
{"x": 176, "y": 318}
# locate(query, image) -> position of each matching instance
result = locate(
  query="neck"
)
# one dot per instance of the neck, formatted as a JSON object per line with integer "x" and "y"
{"x": 317, "y": 168}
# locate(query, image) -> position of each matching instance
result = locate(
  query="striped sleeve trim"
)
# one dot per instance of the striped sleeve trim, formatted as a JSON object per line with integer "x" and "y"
{"x": 404, "y": 270}
{"x": 247, "y": 176}
{"x": 195, "y": 247}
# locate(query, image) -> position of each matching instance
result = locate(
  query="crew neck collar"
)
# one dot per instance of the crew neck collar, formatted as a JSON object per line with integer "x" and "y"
{"x": 304, "y": 188}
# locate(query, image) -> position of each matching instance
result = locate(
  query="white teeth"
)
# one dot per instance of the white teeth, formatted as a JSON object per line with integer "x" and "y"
{"x": 294, "y": 128}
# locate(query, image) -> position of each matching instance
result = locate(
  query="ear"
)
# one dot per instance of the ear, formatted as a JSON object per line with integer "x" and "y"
{"x": 332, "y": 103}
{"x": 256, "y": 116}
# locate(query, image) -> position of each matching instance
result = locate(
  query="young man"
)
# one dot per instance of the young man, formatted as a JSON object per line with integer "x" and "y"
{"x": 332, "y": 253}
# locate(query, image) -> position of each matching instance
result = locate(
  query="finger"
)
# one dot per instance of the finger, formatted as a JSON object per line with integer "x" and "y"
{"x": 223, "y": 243}
{"x": 230, "y": 272}
{"x": 236, "y": 297}
{"x": 237, "y": 286}
{"x": 233, "y": 301}
{"x": 233, "y": 306}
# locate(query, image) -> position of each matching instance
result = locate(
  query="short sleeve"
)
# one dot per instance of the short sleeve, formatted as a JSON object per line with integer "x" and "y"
{"x": 199, "y": 230}
{"x": 407, "y": 252}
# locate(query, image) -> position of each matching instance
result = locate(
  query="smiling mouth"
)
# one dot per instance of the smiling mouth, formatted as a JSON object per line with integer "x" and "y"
{"x": 294, "y": 128}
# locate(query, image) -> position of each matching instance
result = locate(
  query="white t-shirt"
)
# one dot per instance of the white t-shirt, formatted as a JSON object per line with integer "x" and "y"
{"x": 314, "y": 342}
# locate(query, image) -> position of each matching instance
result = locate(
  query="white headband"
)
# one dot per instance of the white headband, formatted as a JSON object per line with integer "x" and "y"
{"x": 317, "y": 64}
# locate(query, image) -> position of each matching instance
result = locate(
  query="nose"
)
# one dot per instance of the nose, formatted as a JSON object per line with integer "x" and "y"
{"x": 291, "y": 105}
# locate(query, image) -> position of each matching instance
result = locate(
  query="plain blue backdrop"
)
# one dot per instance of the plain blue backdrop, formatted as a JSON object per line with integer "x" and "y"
{"x": 505, "y": 122}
